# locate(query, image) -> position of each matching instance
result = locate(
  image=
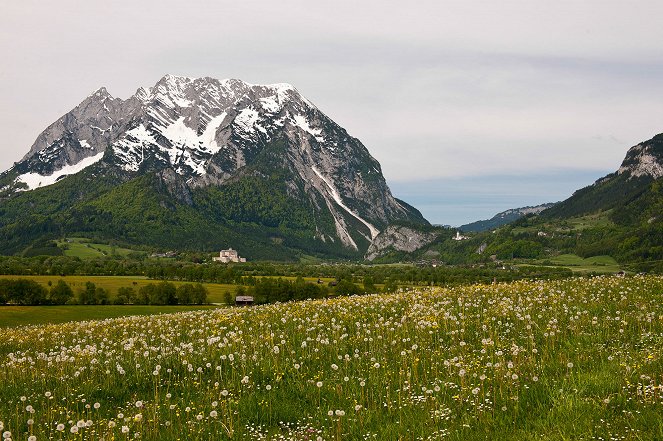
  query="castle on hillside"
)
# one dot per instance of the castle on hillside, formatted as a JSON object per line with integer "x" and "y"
{"x": 229, "y": 255}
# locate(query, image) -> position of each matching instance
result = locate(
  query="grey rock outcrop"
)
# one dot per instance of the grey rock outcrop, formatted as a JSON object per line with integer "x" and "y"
{"x": 399, "y": 238}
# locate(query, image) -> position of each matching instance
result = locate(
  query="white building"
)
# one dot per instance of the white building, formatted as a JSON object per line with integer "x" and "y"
{"x": 459, "y": 236}
{"x": 229, "y": 255}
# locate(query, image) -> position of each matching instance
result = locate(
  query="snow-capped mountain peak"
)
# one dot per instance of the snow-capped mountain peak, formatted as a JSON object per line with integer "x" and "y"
{"x": 206, "y": 131}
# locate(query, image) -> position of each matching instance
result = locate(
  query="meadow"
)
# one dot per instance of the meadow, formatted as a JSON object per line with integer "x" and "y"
{"x": 568, "y": 359}
{"x": 13, "y": 316}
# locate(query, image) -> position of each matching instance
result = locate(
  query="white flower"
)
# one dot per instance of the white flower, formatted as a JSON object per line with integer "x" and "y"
{"x": 139, "y": 404}
{"x": 97, "y": 405}
{"x": 125, "y": 429}
{"x": 213, "y": 414}
{"x": 60, "y": 427}
{"x": 74, "y": 429}
{"x": 319, "y": 384}
{"x": 268, "y": 387}
{"x": 245, "y": 380}
{"x": 340, "y": 412}
{"x": 32, "y": 438}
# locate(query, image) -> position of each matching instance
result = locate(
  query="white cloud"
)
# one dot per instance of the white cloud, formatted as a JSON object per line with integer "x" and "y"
{"x": 433, "y": 89}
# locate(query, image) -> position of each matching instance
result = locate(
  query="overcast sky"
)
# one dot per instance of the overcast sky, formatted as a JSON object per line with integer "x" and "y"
{"x": 470, "y": 106}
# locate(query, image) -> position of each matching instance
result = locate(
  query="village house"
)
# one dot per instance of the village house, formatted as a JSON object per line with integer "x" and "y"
{"x": 244, "y": 300}
{"x": 229, "y": 255}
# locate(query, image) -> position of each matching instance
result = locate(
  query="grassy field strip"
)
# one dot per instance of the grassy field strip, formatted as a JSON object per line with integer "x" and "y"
{"x": 112, "y": 283}
{"x": 597, "y": 264}
{"x": 12, "y": 316}
{"x": 85, "y": 249}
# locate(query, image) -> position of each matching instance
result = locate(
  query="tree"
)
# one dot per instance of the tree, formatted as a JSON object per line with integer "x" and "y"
{"x": 22, "y": 292}
{"x": 87, "y": 296}
{"x": 346, "y": 287}
{"x": 166, "y": 294}
{"x": 199, "y": 294}
{"x": 61, "y": 293}
{"x": 125, "y": 295}
{"x": 369, "y": 286}
{"x": 185, "y": 294}
{"x": 100, "y": 296}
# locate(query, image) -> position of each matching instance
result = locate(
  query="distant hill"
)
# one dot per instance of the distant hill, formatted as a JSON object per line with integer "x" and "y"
{"x": 503, "y": 218}
{"x": 619, "y": 215}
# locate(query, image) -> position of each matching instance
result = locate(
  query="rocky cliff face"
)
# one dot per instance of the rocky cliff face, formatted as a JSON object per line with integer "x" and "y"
{"x": 644, "y": 160}
{"x": 205, "y": 133}
{"x": 399, "y": 238}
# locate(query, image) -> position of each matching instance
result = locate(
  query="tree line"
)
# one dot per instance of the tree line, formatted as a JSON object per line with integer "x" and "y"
{"x": 271, "y": 290}
{"x": 29, "y": 292}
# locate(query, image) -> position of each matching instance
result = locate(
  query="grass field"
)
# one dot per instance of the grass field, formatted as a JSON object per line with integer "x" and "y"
{"x": 12, "y": 316}
{"x": 86, "y": 249}
{"x": 112, "y": 283}
{"x": 576, "y": 359}
{"x": 596, "y": 264}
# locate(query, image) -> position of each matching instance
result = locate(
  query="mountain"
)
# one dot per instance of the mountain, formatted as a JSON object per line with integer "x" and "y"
{"x": 632, "y": 183}
{"x": 201, "y": 164}
{"x": 503, "y": 218}
{"x": 628, "y": 205}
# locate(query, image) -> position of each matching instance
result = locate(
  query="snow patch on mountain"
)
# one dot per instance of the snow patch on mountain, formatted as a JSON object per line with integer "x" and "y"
{"x": 337, "y": 198}
{"x": 131, "y": 148}
{"x": 301, "y": 122}
{"x": 35, "y": 180}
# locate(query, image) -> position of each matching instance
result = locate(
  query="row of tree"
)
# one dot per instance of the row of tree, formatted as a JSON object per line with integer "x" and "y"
{"x": 270, "y": 290}
{"x": 29, "y": 292}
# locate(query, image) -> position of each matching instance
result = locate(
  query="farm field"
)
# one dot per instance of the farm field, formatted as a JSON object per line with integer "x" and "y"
{"x": 86, "y": 249}
{"x": 12, "y": 316}
{"x": 112, "y": 283}
{"x": 548, "y": 360}
{"x": 596, "y": 264}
